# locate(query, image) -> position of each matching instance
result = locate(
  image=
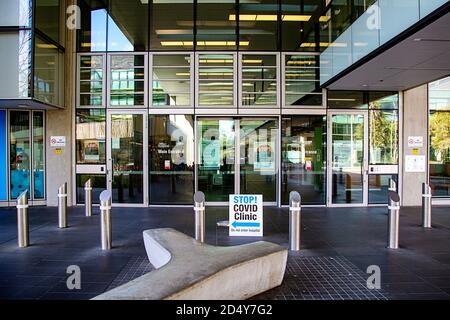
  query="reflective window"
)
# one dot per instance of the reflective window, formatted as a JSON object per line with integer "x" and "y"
{"x": 259, "y": 80}
{"x": 19, "y": 153}
{"x": 171, "y": 80}
{"x": 379, "y": 187}
{"x": 346, "y": 99}
{"x": 48, "y": 73}
{"x": 258, "y": 25}
{"x": 216, "y": 80}
{"x": 171, "y": 159}
{"x": 91, "y": 81}
{"x": 127, "y": 80}
{"x": 216, "y": 25}
{"x": 173, "y": 29}
{"x": 439, "y": 128}
{"x": 303, "y": 158}
{"x": 16, "y": 13}
{"x": 127, "y": 25}
{"x": 383, "y": 140}
{"x": 48, "y": 19}
{"x": 383, "y": 100}
{"x": 93, "y": 21}
{"x": 38, "y": 155}
{"x": 3, "y": 156}
{"x": 301, "y": 81}
{"x": 90, "y": 136}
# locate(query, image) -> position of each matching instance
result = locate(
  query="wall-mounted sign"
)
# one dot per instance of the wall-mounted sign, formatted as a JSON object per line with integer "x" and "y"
{"x": 264, "y": 157}
{"x": 58, "y": 151}
{"x": 415, "y": 142}
{"x": 91, "y": 150}
{"x": 415, "y": 164}
{"x": 415, "y": 151}
{"x": 57, "y": 141}
{"x": 246, "y": 215}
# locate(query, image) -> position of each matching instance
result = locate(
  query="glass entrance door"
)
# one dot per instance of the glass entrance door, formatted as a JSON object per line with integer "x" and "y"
{"x": 237, "y": 156}
{"x": 127, "y": 136}
{"x": 347, "y": 158}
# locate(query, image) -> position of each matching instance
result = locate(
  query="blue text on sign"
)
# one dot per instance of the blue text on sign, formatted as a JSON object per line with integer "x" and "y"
{"x": 244, "y": 199}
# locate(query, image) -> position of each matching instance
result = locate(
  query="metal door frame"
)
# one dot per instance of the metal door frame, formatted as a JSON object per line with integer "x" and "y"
{"x": 365, "y": 164}
{"x": 237, "y": 156}
{"x": 144, "y": 114}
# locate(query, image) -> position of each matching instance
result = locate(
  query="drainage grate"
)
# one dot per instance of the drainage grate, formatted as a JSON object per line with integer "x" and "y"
{"x": 136, "y": 267}
{"x": 322, "y": 278}
{"x": 306, "y": 278}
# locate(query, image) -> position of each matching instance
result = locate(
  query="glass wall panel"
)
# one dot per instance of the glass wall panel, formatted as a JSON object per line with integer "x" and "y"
{"x": 91, "y": 81}
{"x": 258, "y": 24}
{"x": 92, "y": 34}
{"x": 171, "y": 78}
{"x": 301, "y": 81}
{"x": 127, "y": 137}
{"x": 15, "y": 52}
{"x": 396, "y": 16}
{"x": 299, "y": 30}
{"x": 38, "y": 155}
{"x": 3, "y": 157}
{"x": 98, "y": 185}
{"x": 216, "y": 158}
{"x": 90, "y": 136}
{"x": 216, "y": 25}
{"x": 347, "y": 99}
{"x": 16, "y": 13}
{"x": 19, "y": 152}
{"x": 258, "y": 164}
{"x": 347, "y": 158}
{"x": 303, "y": 158}
{"x": 171, "y": 159}
{"x": 259, "y": 80}
{"x": 216, "y": 84}
{"x": 48, "y": 73}
{"x": 173, "y": 29}
{"x": 128, "y": 25}
{"x": 379, "y": 187}
{"x": 383, "y": 141}
{"x": 127, "y": 80}
{"x": 439, "y": 128}
{"x": 48, "y": 19}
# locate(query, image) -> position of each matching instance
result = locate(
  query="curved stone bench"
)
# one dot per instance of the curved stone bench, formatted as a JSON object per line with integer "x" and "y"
{"x": 187, "y": 269}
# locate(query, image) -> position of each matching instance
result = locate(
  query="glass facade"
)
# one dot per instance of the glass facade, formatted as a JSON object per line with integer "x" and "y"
{"x": 439, "y": 128}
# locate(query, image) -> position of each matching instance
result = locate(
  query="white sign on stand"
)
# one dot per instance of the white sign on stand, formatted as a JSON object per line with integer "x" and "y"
{"x": 57, "y": 141}
{"x": 415, "y": 163}
{"x": 246, "y": 215}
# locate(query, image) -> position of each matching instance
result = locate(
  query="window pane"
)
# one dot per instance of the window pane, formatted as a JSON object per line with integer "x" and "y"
{"x": 98, "y": 182}
{"x": 38, "y": 155}
{"x": 383, "y": 100}
{"x": 439, "y": 126}
{"x": 90, "y": 136}
{"x": 3, "y": 156}
{"x": 303, "y": 158}
{"x": 127, "y": 86}
{"x": 383, "y": 127}
{"x": 439, "y": 94}
{"x": 346, "y": 99}
{"x": 303, "y": 99}
{"x": 171, "y": 158}
{"x": 92, "y": 35}
{"x": 16, "y": 13}
{"x": 172, "y": 28}
{"x": 378, "y": 188}
{"x": 128, "y": 25}
{"x": 47, "y": 19}
{"x": 261, "y": 16}
{"x": 19, "y": 153}
{"x": 216, "y": 27}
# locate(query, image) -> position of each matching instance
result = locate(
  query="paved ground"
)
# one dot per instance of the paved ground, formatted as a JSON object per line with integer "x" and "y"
{"x": 337, "y": 247}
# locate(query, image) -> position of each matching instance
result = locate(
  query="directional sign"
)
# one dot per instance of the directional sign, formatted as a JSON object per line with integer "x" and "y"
{"x": 246, "y": 215}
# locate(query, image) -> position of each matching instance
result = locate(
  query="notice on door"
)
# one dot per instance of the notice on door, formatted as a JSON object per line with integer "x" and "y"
{"x": 246, "y": 215}
{"x": 57, "y": 141}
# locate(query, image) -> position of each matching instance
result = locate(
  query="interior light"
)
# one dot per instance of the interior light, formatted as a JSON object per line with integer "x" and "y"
{"x": 341, "y": 99}
{"x": 85, "y": 44}
{"x": 295, "y": 17}
{"x": 324, "y": 18}
{"x": 182, "y": 74}
{"x": 46, "y": 46}
{"x": 252, "y": 61}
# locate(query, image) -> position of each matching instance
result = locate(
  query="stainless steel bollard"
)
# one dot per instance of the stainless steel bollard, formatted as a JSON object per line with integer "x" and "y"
{"x": 426, "y": 205}
{"x": 199, "y": 209}
{"x": 393, "y": 219}
{"x": 392, "y": 185}
{"x": 294, "y": 220}
{"x": 105, "y": 218}
{"x": 62, "y": 205}
{"x": 88, "y": 198}
{"x": 23, "y": 239}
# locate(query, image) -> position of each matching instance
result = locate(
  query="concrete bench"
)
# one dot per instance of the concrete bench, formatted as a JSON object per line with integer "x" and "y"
{"x": 187, "y": 269}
